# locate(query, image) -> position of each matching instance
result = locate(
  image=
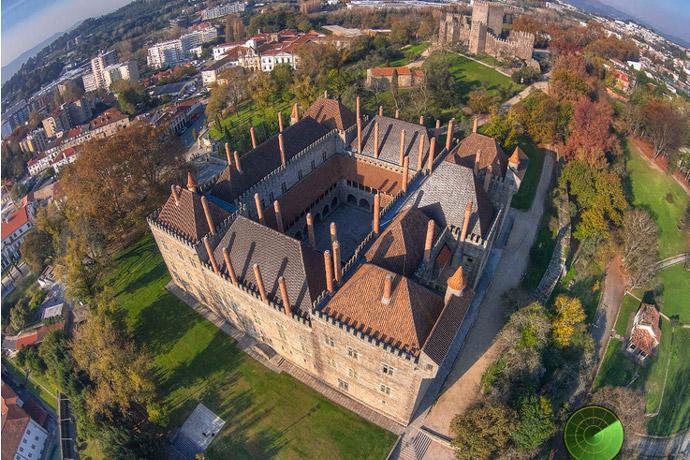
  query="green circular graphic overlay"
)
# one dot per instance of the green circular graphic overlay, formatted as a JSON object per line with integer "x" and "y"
{"x": 593, "y": 433}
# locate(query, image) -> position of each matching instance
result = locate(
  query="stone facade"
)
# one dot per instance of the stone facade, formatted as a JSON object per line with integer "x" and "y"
{"x": 482, "y": 33}
{"x": 360, "y": 355}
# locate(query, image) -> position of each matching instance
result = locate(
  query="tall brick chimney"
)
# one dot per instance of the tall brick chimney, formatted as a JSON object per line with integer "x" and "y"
{"x": 191, "y": 182}
{"x": 207, "y": 214}
{"x": 228, "y": 266}
{"x": 377, "y": 210}
{"x": 252, "y": 133}
{"x": 437, "y": 130}
{"x": 387, "y": 289}
{"x": 466, "y": 221}
{"x": 405, "y": 172}
{"x": 397, "y": 114}
{"x": 429, "y": 241}
{"x": 279, "y": 216}
{"x": 380, "y": 111}
{"x": 281, "y": 145}
{"x": 449, "y": 135}
{"x": 284, "y": 295}
{"x": 175, "y": 194}
{"x": 477, "y": 161}
{"x": 211, "y": 258}
{"x": 259, "y": 209}
{"x": 228, "y": 155}
{"x": 238, "y": 165}
{"x": 260, "y": 282}
{"x": 337, "y": 267}
{"x": 280, "y": 121}
{"x": 475, "y": 124}
{"x": 430, "y": 157}
{"x": 334, "y": 232}
{"x": 329, "y": 270}
{"x": 376, "y": 139}
{"x": 420, "y": 153}
{"x": 359, "y": 127}
{"x": 310, "y": 230}
{"x": 402, "y": 146}
{"x": 294, "y": 116}
{"x": 421, "y": 120}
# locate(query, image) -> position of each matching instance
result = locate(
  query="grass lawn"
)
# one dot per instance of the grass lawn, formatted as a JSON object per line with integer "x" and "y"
{"x": 657, "y": 368}
{"x": 675, "y": 285}
{"x": 267, "y": 415}
{"x": 674, "y": 415}
{"x": 662, "y": 197}
{"x": 411, "y": 53}
{"x": 628, "y": 309}
{"x": 617, "y": 369}
{"x": 470, "y": 74}
{"x": 523, "y": 198}
{"x": 249, "y": 113}
{"x": 38, "y": 384}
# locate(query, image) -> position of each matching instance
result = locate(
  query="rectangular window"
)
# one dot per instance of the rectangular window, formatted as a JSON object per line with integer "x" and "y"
{"x": 329, "y": 340}
{"x": 352, "y": 353}
{"x": 331, "y": 362}
{"x": 352, "y": 373}
{"x": 342, "y": 384}
{"x": 385, "y": 389}
{"x": 387, "y": 369}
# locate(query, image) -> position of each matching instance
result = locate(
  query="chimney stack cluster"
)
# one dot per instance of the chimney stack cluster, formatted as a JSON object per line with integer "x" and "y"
{"x": 429, "y": 241}
{"x": 284, "y": 295}
{"x": 228, "y": 155}
{"x": 280, "y": 122}
{"x": 430, "y": 157}
{"x": 175, "y": 190}
{"x": 402, "y": 145}
{"x": 260, "y": 282}
{"x": 294, "y": 116}
{"x": 420, "y": 153}
{"x": 236, "y": 154}
{"x": 405, "y": 173}
{"x": 376, "y": 139}
{"x": 191, "y": 182}
{"x": 329, "y": 270}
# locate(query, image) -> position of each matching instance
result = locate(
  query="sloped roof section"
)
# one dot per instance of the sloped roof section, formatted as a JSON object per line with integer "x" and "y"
{"x": 257, "y": 163}
{"x": 390, "y": 130}
{"x": 277, "y": 255}
{"x": 186, "y": 215}
{"x": 331, "y": 113}
{"x": 445, "y": 193}
{"x": 405, "y": 321}
{"x": 447, "y": 327}
{"x": 400, "y": 247}
{"x": 485, "y": 149}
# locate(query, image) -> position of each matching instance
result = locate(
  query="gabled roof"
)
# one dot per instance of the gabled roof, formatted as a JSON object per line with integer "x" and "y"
{"x": 405, "y": 321}
{"x": 490, "y": 157}
{"x": 331, "y": 113}
{"x": 400, "y": 247}
{"x": 265, "y": 158}
{"x": 389, "y": 140}
{"x": 646, "y": 333}
{"x": 388, "y": 71}
{"x": 19, "y": 218}
{"x": 447, "y": 326}
{"x": 277, "y": 255}
{"x": 445, "y": 193}
{"x": 186, "y": 215}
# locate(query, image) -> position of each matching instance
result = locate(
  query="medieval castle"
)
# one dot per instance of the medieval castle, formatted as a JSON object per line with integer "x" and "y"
{"x": 481, "y": 33}
{"x": 349, "y": 244}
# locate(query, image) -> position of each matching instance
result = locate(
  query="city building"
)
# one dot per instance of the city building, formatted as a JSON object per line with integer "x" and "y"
{"x": 482, "y": 33}
{"x": 89, "y": 82}
{"x": 100, "y": 63}
{"x": 201, "y": 34}
{"x": 209, "y": 74}
{"x": 23, "y": 436}
{"x": 309, "y": 6}
{"x": 382, "y": 77}
{"x": 350, "y": 245}
{"x": 219, "y": 51}
{"x": 78, "y": 110}
{"x": 165, "y": 54}
{"x": 223, "y": 10}
{"x": 121, "y": 71}
{"x": 57, "y": 122}
{"x": 14, "y": 116}
{"x": 14, "y": 229}
{"x": 645, "y": 334}
{"x": 34, "y": 142}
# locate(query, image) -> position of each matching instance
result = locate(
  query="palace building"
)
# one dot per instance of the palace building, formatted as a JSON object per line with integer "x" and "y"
{"x": 350, "y": 244}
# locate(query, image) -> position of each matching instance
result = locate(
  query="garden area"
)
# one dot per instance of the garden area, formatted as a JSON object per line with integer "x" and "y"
{"x": 470, "y": 75}
{"x": 267, "y": 414}
{"x": 410, "y": 54}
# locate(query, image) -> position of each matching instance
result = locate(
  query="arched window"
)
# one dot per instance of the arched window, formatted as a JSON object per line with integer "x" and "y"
{"x": 351, "y": 200}
{"x": 364, "y": 204}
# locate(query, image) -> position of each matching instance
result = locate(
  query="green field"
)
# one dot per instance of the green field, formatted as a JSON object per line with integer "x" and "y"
{"x": 249, "y": 114}
{"x": 470, "y": 74}
{"x": 617, "y": 369}
{"x": 628, "y": 309}
{"x": 674, "y": 282}
{"x": 267, "y": 415}
{"x": 411, "y": 54}
{"x": 662, "y": 197}
{"x": 523, "y": 198}
{"x": 38, "y": 384}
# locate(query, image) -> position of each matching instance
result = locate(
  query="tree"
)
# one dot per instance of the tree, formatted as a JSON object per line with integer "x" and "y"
{"x": 263, "y": 89}
{"x": 480, "y": 101}
{"x": 234, "y": 29}
{"x": 481, "y": 432}
{"x": 504, "y": 129}
{"x": 591, "y": 134}
{"x": 440, "y": 81}
{"x": 37, "y": 250}
{"x": 130, "y": 95}
{"x": 116, "y": 181}
{"x": 665, "y": 127}
{"x": 536, "y": 423}
{"x": 395, "y": 85}
{"x": 640, "y": 246}
{"x": 78, "y": 272}
{"x": 19, "y": 316}
{"x": 569, "y": 315}
{"x": 569, "y": 79}
{"x": 627, "y": 404}
{"x": 525, "y": 75}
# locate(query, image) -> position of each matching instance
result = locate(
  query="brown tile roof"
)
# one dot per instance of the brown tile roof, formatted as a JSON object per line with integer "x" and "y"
{"x": 14, "y": 422}
{"x": 187, "y": 217}
{"x": 277, "y": 255}
{"x": 447, "y": 327}
{"x": 265, "y": 158}
{"x": 389, "y": 140}
{"x": 647, "y": 318}
{"x": 388, "y": 71}
{"x": 444, "y": 194}
{"x": 491, "y": 156}
{"x": 294, "y": 203}
{"x": 111, "y": 115}
{"x": 400, "y": 247}
{"x": 331, "y": 113}
{"x": 405, "y": 322}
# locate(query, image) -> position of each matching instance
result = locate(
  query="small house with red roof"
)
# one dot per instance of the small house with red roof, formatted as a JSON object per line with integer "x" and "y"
{"x": 383, "y": 76}
{"x": 645, "y": 334}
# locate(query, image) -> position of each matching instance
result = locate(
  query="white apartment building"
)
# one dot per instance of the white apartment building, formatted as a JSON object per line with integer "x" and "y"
{"x": 198, "y": 37}
{"x": 122, "y": 71}
{"x": 223, "y": 10}
{"x": 165, "y": 54}
{"x": 99, "y": 64}
{"x": 220, "y": 51}
{"x": 90, "y": 83}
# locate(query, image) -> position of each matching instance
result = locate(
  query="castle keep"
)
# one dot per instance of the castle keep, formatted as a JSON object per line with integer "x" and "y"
{"x": 481, "y": 33}
{"x": 350, "y": 244}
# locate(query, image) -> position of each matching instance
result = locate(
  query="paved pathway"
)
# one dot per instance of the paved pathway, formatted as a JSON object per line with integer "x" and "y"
{"x": 677, "y": 446}
{"x": 479, "y": 350}
{"x": 607, "y": 311}
{"x": 673, "y": 260}
{"x": 276, "y": 363}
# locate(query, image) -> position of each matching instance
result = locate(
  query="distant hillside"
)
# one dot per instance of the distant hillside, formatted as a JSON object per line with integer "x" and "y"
{"x": 601, "y": 9}
{"x": 11, "y": 68}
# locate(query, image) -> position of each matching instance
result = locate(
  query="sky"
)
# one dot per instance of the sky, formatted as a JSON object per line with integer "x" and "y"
{"x": 26, "y": 23}
{"x": 670, "y": 16}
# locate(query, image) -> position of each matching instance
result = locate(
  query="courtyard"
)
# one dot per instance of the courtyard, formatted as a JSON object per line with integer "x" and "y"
{"x": 353, "y": 223}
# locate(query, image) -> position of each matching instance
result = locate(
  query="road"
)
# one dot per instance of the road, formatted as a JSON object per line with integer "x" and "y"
{"x": 607, "y": 311}
{"x": 479, "y": 350}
